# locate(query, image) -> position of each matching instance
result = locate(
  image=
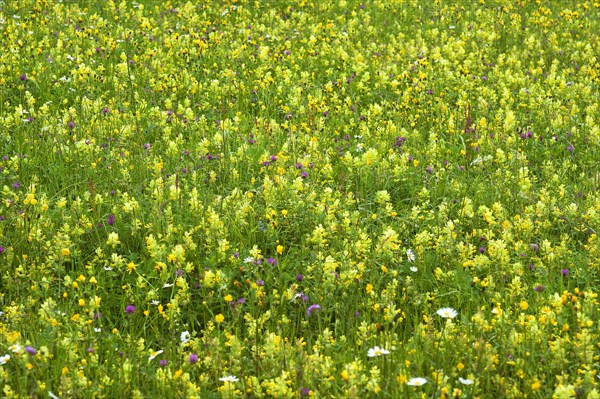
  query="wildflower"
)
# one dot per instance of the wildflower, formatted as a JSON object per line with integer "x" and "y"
{"x": 111, "y": 219}
{"x": 272, "y": 261}
{"x": 4, "y": 359}
{"x": 229, "y": 378}
{"x": 534, "y": 247}
{"x": 304, "y": 392}
{"x": 539, "y": 288}
{"x": 154, "y": 354}
{"x": 414, "y": 269}
{"x": 31, "y": 350}
{"x": 447, "y": 313}
{"x": 193, "y": 358}
{"x": 163, "y": 363}
{"x": 1, "y": 249}
{"x": 185, "y": 337}
{"x": 416, "y": 382}
{"x": 16, "y": 348}
{"x": 299, "y": 277}
{"x": 130, "y": 309}
{"x": 220, "y": 318}
{"x": 565, "y": 272}
{"x": 301, "y": 295}
{"x": 23, "y": 77}
{"x": 312, "y": 308}
{"x": 377, "y": 351}
{"x": 410, "y": 256}
{"x": 465, "y": 381}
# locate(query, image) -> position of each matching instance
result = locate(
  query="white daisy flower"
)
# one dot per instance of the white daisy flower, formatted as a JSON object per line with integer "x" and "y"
{"x": 185, "y": 337}
{"x": 377, "y": 351}
{"x": 447, "y": 313}
{"x": 154, "y": 354}
{"x": 465, "y": 381}
{"x": 229, "y": 378}
{"x": 416, "y": 382}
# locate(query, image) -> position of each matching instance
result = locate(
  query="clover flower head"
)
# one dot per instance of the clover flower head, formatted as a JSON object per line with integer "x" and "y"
{"x": 312, "y": 308}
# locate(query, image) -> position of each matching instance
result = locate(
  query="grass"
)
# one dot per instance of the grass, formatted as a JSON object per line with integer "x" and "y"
{"x": 243, "y": 199}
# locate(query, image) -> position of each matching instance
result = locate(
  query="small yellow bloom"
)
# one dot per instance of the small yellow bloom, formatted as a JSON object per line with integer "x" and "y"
{"x": 280, "y": 249}
{"x": 131, "y": 267}
{"x": 460, "y": 366}
{"x": 228, "y": 298}
{"x": 82, "y": 302}
{"x": 284, "y": 212}
{"x": 535, "y": 386}
{"x": 344, "y": 375}
{"x": 65, "y": 252}
{"x": 220, "y": 318}
{"x": 524, "y": 305}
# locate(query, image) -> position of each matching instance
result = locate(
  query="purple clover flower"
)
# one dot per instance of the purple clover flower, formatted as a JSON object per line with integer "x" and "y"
{"x": 193, "y": 358}
{"x": 565, "y": 272}
{"x": 312, "y": 308}
{"x": 129, "y": 309}
{"x": 31, "y": 350}
{"x": 110, "y": 220}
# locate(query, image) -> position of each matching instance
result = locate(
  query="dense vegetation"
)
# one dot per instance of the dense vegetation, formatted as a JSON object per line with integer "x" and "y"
{"x": 388, "y": 199}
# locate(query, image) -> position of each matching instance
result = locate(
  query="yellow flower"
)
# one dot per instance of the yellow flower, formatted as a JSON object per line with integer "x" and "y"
{"x": 220, "y": 318}
{"x": 524, "y": 305}
{"x": 65, "y": 252}
{"x": 280, "y": 249}
{"x": 131, "y": 267}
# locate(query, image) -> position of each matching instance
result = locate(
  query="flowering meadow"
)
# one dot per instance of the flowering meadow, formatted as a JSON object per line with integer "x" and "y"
{"x": 299, "y": 199}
